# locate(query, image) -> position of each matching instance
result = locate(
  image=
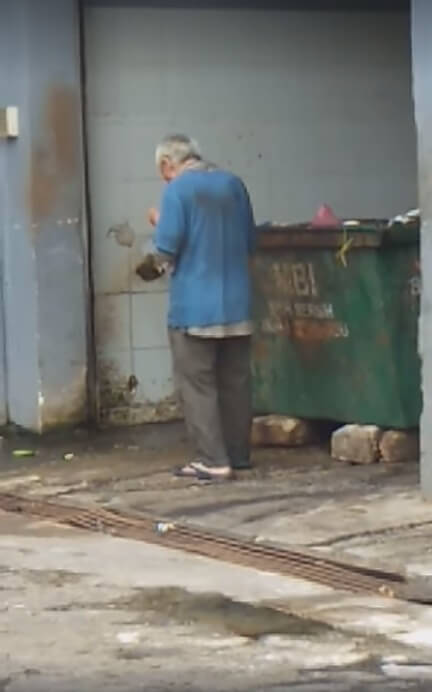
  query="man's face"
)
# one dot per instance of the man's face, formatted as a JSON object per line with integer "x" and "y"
{"x": 168, "y": 170}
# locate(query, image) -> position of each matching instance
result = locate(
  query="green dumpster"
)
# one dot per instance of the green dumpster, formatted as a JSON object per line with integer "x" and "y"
{"x": 336, "y": 323}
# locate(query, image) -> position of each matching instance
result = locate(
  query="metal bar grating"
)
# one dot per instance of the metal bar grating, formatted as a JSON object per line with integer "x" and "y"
{"x": 264, "y": 557}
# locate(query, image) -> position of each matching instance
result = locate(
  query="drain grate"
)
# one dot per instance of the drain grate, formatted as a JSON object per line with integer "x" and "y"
{"x": 265, "y": 557}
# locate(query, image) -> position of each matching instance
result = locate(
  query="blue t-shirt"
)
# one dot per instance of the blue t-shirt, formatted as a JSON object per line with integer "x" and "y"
{"x": 207, "y": 225}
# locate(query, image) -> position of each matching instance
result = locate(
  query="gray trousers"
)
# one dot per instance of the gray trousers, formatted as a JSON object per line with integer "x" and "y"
{"x": 214, "y": 382}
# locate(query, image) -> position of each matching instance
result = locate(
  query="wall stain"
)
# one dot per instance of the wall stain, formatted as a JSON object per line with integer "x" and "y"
{"x": 163, "y": 411}
{"x": 68, "y": 406}
{"x": 61, "y": 118}
{"x": 106, "y": 327}
{"x": 55, "y": 160}
{"x": 112, "y": 385}
{"x": 261, "y": 350}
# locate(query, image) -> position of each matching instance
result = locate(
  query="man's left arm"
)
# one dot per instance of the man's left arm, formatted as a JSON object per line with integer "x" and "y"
{"x": 169, "y": 224}
{"x": 170, "y": 228}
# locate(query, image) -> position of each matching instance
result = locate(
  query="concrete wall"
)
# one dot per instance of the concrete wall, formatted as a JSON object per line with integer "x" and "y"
{"x": 422, "y": 71}
{"x": 44, "y": 258}
{"x": 309, "y": 107}
{"x": 3, "y": 221}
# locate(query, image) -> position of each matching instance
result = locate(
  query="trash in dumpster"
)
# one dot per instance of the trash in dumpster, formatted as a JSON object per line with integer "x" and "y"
{"x": 412, "y": 216}
{"x": 325, "y": 218}
{"x": 341, "y": 254}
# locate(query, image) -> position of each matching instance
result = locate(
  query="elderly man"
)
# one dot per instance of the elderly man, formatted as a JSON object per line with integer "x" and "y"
{"x": 206, "y": 231}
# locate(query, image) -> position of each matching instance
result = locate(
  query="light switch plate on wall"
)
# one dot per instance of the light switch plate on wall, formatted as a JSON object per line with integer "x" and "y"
{"x": 9, "y": 126}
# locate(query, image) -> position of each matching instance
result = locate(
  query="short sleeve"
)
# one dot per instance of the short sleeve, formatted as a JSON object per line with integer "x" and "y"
{"x": 170, "y": 230}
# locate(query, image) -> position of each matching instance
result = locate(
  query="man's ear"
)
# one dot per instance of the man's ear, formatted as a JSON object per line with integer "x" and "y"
{"x": 168, "y": 169}
{"x": 165, "y": 166}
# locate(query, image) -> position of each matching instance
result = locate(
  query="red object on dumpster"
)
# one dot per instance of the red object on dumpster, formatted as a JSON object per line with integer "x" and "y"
{"x": 325, "y": 218}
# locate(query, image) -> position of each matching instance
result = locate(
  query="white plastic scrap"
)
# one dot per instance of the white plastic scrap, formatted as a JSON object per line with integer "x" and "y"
{"x": 405, "y": 218}
{"x": 163, "y": 527}
{"x": 128, "y": 637}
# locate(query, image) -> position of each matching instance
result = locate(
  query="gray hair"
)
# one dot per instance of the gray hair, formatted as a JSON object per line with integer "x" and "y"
{"x": 178, "y": 149}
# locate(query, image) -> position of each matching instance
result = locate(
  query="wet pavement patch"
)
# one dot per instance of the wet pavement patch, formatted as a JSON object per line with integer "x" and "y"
{"x": 162, "y": 606}
{"x": 137, "y": 653}
{"x": 55, "y": 578}
{"x": 134, "y": 654}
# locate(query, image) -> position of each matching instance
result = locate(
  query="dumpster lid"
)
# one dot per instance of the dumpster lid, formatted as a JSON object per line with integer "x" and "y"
{"x": 363, "y": 233}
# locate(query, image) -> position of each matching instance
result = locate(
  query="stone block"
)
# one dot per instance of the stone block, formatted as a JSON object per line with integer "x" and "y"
{"x": 282, "y": 431}
{"x": 358, "y": 444}
{"x": 399, "y": 445}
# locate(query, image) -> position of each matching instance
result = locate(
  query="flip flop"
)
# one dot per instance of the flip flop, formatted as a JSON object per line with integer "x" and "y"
{"x": 208, "y": 477}
{"x": 188, "y": 471}
{"x": 201, "y": 474}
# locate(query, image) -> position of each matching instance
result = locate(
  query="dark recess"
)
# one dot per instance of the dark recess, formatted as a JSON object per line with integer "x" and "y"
{"x": 310, "y": 5}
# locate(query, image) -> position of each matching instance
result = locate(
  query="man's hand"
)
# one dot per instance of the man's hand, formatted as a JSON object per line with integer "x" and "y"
{"x": 153, "y": 216}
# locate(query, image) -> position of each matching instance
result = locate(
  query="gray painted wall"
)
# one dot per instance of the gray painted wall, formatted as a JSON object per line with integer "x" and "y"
{"x": 44, "y": 259}
{"x": 3, "y": 221}
{"x": 308, "y": 107}
{"x": 422, "y": 70}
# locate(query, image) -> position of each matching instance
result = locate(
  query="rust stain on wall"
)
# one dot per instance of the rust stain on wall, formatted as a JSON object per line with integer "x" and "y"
{"x": 113, "y": 386}
{"x": 163, "y": 411}
{"x": 43, "y": 186}
{"x": 67, "y": 407}
{"x": 315, "y": 330}
{"x": 62, "y": 110}
{"x": 383, "y": 338}
{"x": 117, "y": 405}
{"x": 107, "y": 327}
{"x": 261, "y": 349}
{"x": 55, "y": 157}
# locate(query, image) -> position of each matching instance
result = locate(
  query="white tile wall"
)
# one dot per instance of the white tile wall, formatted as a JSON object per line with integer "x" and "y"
{"x": 149, "y": 322}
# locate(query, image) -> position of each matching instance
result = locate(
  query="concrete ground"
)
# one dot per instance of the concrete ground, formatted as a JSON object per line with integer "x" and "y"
{"x": 372, "y": 515}
{"x": 81, "y": 611}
